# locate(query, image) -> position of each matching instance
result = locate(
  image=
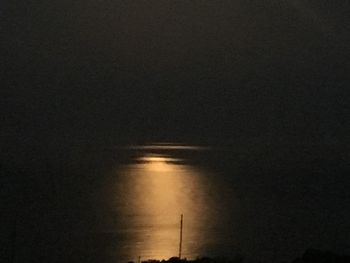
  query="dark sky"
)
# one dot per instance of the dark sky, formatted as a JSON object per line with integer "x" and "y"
{"x": 205, "y": 71}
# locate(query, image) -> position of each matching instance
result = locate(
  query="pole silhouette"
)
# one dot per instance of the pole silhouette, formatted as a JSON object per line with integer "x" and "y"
{"x": 180, "y": 245}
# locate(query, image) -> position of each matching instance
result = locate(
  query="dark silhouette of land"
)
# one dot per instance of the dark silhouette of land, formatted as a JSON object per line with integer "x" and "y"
{"x": 309, "y": 256}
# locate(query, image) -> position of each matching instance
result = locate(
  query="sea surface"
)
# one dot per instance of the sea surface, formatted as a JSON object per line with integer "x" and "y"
{"x": 124, "y": 203}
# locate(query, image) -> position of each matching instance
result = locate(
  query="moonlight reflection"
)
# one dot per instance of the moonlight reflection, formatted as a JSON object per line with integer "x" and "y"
{"x": 151, "y": 194}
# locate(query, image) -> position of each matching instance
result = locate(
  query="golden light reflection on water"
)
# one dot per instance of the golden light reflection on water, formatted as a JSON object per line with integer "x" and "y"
{"x": 157, "y": 189}
{"x": 156, "y": 163}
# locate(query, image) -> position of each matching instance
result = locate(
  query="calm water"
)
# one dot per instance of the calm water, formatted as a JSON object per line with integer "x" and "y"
{"x": 268, "y": 208}
{"x": 117, "y": 204}
{"x": 147, "y": 195}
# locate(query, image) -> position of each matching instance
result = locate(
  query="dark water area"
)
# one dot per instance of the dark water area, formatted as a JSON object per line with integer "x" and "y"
{"x": 114, "y": 204}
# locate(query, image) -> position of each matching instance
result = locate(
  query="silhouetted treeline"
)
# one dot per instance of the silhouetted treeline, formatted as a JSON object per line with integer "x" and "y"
{"x": 309, "y": 256}
{"x": 237, "y": 259}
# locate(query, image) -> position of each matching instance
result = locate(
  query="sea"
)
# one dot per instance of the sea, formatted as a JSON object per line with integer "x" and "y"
{"x": 157, "y": 200}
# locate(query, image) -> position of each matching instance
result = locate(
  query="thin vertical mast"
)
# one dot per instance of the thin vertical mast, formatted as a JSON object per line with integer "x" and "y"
{"x": 180, "y": 246}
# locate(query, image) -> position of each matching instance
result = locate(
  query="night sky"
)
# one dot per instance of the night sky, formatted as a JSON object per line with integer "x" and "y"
{"x": 116, "y": 72}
